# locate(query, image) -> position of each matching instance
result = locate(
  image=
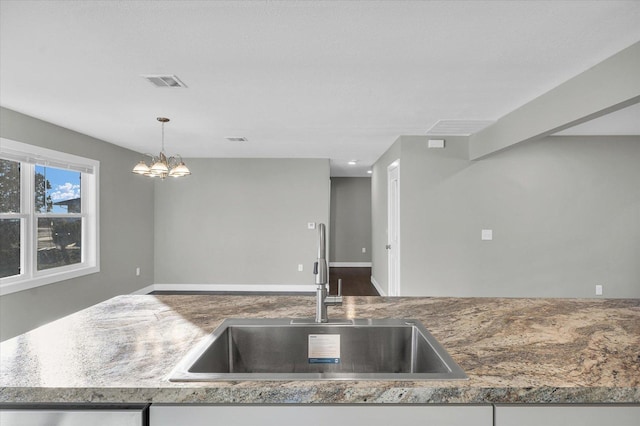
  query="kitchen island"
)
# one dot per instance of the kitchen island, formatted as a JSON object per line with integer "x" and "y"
{"x": 515, "y": 351}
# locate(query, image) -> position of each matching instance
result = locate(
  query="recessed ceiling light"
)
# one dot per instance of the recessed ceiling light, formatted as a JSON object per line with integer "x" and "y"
{"x": 236, "y": 139}
{"x": 164, "y": 80}
{"x": 352, "y": 162}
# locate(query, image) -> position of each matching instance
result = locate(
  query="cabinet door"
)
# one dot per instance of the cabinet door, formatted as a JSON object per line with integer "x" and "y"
{"x": 61, "y": 417}
{"x": 326, "y": 415}
{"x": 564, "y": 415}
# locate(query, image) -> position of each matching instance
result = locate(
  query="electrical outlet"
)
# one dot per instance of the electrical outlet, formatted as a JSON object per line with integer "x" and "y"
{"x": 364, "y": 249}
{"x": 311, "y": 225}
{"x": 598, "y": 290}
{"x": 486, "y": 235}
{"x": 300, "y": 267}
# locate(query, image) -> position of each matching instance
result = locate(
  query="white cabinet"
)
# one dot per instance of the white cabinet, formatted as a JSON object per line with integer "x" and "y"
{"x": 321, "y": 415}
{"x": 385, "y": 415}
{"x": 67, "y": 416}
{"x": 567, "y": 415}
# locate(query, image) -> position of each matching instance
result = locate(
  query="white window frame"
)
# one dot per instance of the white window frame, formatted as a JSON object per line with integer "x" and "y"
{"x": 29, "y": 156}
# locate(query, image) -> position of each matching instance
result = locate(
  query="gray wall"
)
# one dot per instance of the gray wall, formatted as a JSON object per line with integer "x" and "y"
{"x": 350, "y": 219}
{"x": 126, "y": 229}
{"x": 565, "y": 213}
{"x": 241, "y": 221}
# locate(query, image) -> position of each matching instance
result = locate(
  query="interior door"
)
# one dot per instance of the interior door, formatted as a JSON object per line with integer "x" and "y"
{"x": 393, "y": 227}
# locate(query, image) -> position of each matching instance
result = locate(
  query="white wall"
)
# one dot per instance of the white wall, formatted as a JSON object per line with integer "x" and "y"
{"x": 565, "y": 214}
{"x": 126, "y": 229}
{"x": 350, "y": 220}
{"x": 241, "y": 221}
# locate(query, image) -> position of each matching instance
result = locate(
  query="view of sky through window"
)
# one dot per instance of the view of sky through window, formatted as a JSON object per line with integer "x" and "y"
{"x": 57, "y": 190}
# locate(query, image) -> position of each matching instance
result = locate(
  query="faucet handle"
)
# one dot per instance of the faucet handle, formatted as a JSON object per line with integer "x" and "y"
{"x": 337, "y": 299}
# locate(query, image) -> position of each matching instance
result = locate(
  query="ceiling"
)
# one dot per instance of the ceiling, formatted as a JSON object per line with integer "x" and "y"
{"x": 298, "y": 79}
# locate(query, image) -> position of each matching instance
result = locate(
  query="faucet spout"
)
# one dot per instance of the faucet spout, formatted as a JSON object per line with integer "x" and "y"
{"x": 320, "y": 267}
{"x": 321, "y": 272}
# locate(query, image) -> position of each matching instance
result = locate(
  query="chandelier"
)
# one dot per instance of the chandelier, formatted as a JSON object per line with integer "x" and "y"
{"x": 160, "y": 165}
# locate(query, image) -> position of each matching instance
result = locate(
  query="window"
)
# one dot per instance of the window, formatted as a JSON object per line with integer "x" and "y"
{"x": 48, "y": 216}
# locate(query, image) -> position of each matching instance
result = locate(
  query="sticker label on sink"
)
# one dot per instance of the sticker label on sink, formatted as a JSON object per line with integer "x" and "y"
{"x": 324, "y": 349}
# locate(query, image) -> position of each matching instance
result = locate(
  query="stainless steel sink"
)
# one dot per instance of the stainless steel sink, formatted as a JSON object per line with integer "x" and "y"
{"x": 289, "y": 349}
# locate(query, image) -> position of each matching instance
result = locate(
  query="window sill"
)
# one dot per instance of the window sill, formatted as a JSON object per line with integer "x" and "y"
{"x": 8, "y": 286}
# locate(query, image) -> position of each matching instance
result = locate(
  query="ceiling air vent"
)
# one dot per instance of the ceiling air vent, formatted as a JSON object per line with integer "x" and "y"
{"x": 458, "y": 127}
{"x": 164, "y": 81}
{"x": 236, "y": 139}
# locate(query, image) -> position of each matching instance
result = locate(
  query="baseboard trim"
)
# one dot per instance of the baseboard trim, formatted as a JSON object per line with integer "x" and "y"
{"x": 145, "y": 290}
{"x": 295, "y": 288}
{"x": 377, "y": 286}
{"x": 350, "y": 264}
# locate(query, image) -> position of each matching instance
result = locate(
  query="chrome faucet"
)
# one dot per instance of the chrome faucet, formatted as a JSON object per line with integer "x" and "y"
{"x": 320, "y": 270}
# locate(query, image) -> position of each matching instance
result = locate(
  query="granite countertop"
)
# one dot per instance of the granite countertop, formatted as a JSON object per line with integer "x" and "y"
{"x": 513, "y": 350}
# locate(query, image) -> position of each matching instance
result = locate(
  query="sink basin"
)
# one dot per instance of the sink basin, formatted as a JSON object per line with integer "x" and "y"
{"x": 289, "y": 349}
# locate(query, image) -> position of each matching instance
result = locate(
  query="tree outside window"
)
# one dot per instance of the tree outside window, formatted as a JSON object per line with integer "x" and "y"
{"x": 9, "y": 227}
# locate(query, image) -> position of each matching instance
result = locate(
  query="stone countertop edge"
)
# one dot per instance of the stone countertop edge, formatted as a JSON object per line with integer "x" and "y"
{"x": 515, "y": 351}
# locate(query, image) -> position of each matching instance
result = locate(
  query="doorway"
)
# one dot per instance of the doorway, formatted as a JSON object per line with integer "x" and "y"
{"x": 350, "y": 235}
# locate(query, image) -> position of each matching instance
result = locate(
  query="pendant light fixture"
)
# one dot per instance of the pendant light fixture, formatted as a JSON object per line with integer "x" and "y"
{"x": 161, "y": 166}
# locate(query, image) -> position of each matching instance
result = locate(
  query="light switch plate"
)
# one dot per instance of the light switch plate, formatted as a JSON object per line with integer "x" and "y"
{"x": 487, "y": 234}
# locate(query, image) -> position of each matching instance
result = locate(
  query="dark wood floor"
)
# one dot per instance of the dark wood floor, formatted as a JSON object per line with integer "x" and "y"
{"x": 355, "y": 281}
